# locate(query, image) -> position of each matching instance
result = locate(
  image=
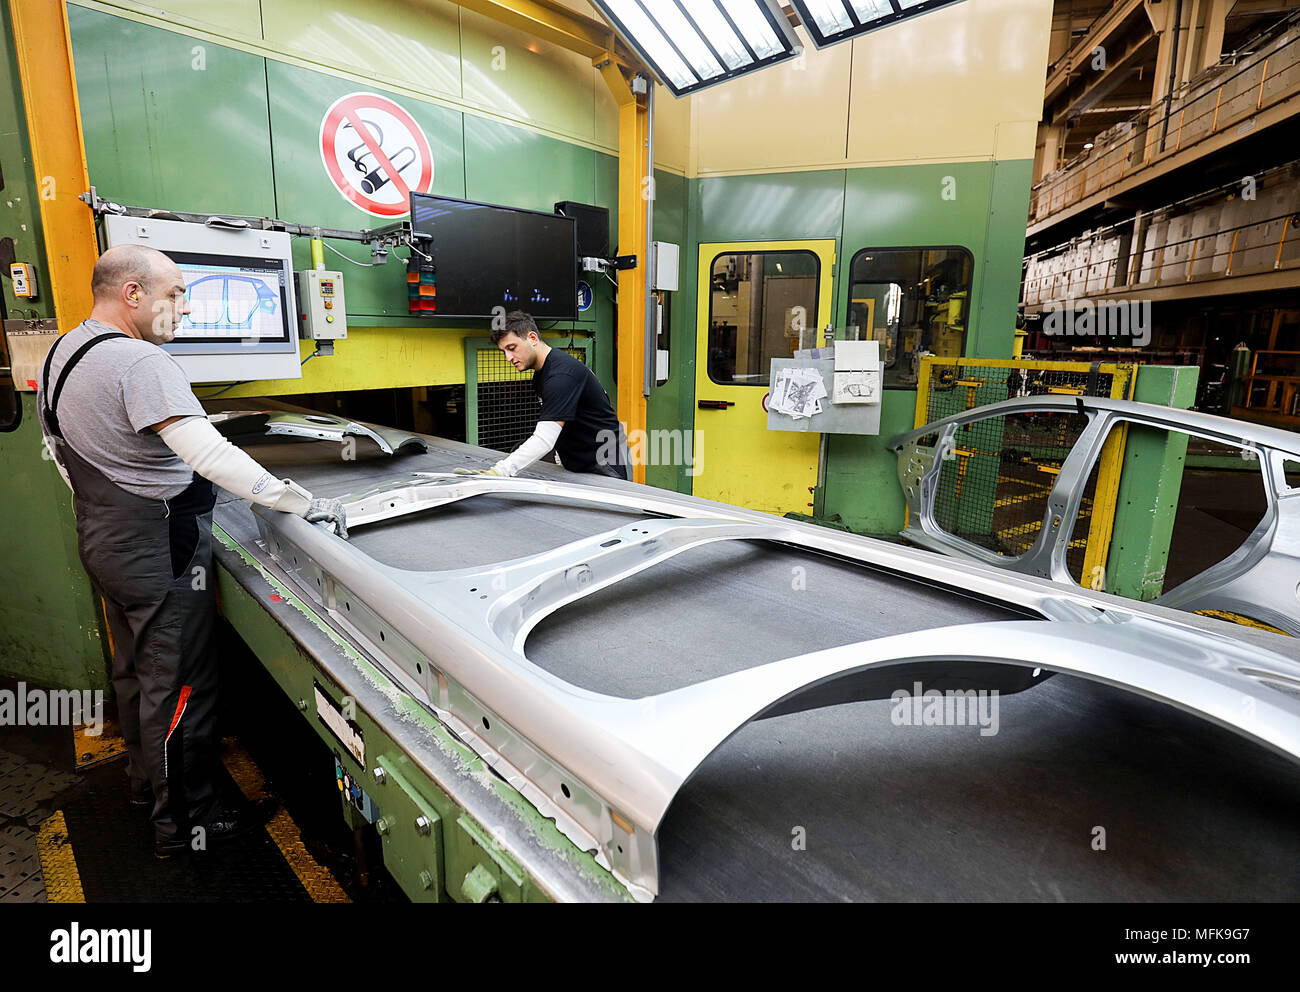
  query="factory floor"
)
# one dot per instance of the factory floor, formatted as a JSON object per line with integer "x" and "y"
{"x": 69, "y": 833}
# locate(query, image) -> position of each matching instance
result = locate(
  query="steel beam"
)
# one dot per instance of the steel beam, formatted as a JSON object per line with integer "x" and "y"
{"x": 635, "y": 190}
{"x": 554, "y": 23}
{"x": 43, "y": 48}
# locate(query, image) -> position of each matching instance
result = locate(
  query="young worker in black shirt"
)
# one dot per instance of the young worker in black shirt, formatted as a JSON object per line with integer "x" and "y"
{"x": 576, "y": 418}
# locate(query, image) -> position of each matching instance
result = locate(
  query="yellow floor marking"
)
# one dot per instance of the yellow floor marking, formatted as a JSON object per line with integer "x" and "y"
{"x": 58, "y": 866}
{"x": 96, "y": 749}
{"x": 1245, "y": 621}
{"x": 315, "y": 878}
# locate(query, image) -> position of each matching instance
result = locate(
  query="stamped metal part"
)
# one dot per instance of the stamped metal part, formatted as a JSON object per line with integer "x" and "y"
{"x": 239, "y": 425}
{"x": 1261, "y": 579}
{"x": 607, "y": 768}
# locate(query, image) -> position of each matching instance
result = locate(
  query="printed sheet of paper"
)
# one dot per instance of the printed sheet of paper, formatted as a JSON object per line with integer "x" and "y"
{"x": 797, "y": 393}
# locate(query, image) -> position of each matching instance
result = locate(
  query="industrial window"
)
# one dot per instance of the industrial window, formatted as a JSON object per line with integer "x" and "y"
{"x": 762, "y": 305}
{"x": 914, "y": 301}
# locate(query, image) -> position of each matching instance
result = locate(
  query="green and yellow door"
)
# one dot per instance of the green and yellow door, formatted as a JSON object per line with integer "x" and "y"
{"x": 758, "y": 300}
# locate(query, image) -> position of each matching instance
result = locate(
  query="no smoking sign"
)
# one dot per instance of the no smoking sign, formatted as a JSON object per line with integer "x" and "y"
{"x": 375, "y": 154}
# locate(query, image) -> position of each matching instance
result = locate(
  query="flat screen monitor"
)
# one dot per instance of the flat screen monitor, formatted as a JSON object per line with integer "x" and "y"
{"x": 242, "y": 321}
{"x": 232, "y": 297}
{"x": 489, "y": 256}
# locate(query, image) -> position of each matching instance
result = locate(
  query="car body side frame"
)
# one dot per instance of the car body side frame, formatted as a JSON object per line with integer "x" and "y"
{"x": 1260, "y": 580}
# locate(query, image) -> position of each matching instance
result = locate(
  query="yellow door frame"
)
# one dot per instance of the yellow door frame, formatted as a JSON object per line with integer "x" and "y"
{"x": 743, "y": 462}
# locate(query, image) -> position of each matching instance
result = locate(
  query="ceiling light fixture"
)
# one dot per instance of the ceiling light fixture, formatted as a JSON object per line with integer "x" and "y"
{"x": 691, "y": 44}
{"x": 832, "y": 21}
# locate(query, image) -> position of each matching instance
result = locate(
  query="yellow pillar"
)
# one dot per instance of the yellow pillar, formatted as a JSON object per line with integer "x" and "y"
{"x": 43, "y": 48}
{"x": 634, "y": 189}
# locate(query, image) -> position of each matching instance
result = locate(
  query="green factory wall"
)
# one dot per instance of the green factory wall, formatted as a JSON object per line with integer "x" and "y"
{"x": 240, "y": 135}
{"x": 50, "y": 632}
{"x": 980, "y": 206}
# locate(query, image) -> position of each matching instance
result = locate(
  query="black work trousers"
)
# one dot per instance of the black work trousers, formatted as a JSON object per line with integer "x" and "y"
{"x": 151, "y": 561}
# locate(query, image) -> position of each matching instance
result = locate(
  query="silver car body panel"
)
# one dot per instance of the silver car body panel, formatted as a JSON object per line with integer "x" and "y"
{"x": 1261, "y": 579}
{"x": 239, "y": 425}
{"x": 608, "y": 768}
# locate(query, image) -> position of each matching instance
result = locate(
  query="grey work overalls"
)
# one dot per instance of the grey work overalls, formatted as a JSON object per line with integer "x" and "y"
{"x": 151, "y": 562}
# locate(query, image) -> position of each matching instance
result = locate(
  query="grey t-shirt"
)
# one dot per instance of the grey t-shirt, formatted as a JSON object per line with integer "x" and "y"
{"x": 119, "y": 389}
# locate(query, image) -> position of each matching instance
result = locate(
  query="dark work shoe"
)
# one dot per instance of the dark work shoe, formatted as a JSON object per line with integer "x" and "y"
{"x": 141, "y": 793}
{"x": 227, "y": 824}
{"x": 223, "y": 824}
{"x": 170, "y": 848}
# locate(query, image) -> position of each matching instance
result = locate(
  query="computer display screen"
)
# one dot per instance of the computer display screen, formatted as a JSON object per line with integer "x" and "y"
{"x": 490, "y": 256}
{"x": 243, "y": 320}
{"x": 233, "y": 297}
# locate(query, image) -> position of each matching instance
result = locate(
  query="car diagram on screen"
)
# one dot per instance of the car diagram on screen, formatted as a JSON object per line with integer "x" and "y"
{"x": 235, "y": 304}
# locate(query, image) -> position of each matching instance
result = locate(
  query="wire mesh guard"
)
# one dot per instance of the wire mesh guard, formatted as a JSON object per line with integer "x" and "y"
{"x": 995, "y": 480}
{"x": 507, "y": 404}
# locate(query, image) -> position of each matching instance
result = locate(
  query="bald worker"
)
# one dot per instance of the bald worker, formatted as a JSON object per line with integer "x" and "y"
{"x": 141, "y": 457}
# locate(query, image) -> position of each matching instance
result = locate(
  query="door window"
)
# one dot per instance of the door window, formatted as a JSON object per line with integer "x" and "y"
{"x": 914, "y": 301}
{"x": 762, "y": 305}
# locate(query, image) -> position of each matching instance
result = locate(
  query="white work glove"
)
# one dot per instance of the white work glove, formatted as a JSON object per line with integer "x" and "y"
{"x": 202, "y": 447}
{"x": 542, "y": 441}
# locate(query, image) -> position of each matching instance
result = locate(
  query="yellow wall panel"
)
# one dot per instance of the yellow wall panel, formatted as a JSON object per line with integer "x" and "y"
{"x": 959, "y": 83}
{"x": 672, "y": 131}
{"x": 787, "y": 116}
{"x": 509, "y": 72}
{"x": 1016, "y": 139}
{"x": 236, "y": 18}
{"x": 415, "y": 45}
{"x": 936, "y": 87}
{"x": 606, "y": 114}
{"x": 371, "y": 358}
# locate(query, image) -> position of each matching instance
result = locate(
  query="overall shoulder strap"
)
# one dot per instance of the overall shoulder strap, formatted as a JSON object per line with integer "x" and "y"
{"x": 52, "y": 402}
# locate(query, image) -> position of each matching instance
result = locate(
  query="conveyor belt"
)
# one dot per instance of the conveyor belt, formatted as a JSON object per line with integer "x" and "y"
{"x": 1189, "y": 811}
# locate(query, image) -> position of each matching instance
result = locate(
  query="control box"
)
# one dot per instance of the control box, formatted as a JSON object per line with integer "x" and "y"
{"x": 24, "y": 280}
{"x": 322, "y": 311}
{"x": 667, "y": 257}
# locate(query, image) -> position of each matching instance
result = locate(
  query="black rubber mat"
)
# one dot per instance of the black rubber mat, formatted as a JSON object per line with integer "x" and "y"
{"x": 113, "y": 842}
{"x": 1190, "y": 812}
